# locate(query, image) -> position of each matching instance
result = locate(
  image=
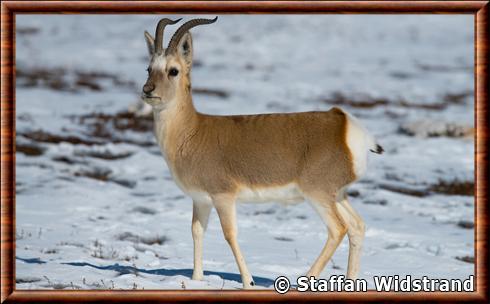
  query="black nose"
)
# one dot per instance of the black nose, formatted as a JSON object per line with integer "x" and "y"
{"x": 148, "y": 88}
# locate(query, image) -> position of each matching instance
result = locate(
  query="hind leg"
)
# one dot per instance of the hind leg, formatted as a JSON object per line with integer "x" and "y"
{"x": 325, "y": 206}
{"x": 355, "y": 231}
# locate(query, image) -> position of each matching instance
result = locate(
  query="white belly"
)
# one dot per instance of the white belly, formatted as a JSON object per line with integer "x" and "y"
{"x": 287, "y": 194}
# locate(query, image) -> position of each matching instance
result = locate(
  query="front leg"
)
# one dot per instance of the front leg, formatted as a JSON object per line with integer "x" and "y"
{"x": 200, "y": 217}
{"x": 225, "y": 206}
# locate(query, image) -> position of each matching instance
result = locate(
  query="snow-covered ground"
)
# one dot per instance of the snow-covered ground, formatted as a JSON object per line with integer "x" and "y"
{"x": 96, "y": 207}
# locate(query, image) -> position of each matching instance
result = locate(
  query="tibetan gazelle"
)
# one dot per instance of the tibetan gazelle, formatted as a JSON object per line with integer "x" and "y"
{"x": 219, "y": 160}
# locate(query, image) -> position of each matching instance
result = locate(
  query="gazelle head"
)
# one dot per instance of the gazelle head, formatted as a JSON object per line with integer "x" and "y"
{"x": 169, "y": 69}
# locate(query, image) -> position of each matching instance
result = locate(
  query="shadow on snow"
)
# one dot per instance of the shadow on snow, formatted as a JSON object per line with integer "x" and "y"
{"x": 31, "y": 261}
{"x": 265, "y": 282}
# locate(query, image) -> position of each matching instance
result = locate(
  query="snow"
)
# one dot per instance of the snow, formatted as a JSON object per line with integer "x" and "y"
{"x": 130, "y": 229}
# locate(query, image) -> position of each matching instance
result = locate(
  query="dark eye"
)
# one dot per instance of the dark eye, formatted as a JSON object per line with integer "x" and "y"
{"x": 173, "y": 72}
{"x": 148, "y": 70}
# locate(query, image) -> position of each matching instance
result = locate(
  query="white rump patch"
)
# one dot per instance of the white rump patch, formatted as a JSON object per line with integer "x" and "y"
{"x": 359, "y": 142}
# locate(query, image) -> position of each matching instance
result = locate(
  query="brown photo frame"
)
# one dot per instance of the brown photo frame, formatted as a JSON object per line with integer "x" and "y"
{"x": 9, "y": 9}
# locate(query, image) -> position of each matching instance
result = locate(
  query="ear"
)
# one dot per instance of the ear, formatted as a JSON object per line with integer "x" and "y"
{"x": 184, "y": 49}
{"x": 150, "y": 43}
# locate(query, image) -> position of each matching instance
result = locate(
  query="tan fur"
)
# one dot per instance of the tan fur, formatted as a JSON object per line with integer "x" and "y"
{"x": 221, "y": 154}
{"x": 218, "y": 159}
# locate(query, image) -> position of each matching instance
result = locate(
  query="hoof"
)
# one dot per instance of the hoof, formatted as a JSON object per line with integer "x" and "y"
{"x": 250, "y": 285}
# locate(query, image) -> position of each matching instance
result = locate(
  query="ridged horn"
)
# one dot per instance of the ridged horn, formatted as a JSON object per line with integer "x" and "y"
{"x": 172, "y": 45}
{"x": 159, "y": 33}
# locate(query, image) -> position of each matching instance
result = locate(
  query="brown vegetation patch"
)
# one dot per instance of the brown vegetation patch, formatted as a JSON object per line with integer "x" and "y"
{"x": 89, "y": 84}
{"x": 380, "y": 202}
{"x": 144, "y": 210}
{"x": 46, "y": 137}
{"x": 367, "y": 102}
{"x": 116, "y": 80}
{"x": 102, "y": 128}
{"x": 211, "y": 92}
{"x": 22, "y": 280}
{"x": 106, "y": 154}
{"x": 26, "y": 30}
{"x": 120, "y": 121}
{"x": 29, "y": 149}
{"x": 96, "y": 173}
{"x": 61, "y": 79}
{"x": 34, "y": 164}
{"x": 405, "y": 189}
{"x": 43, "y": 77}
{"x": 72, "y": 244}
{"x": 338, "y": 98}
{"x": 454, "y": 187}
{"x": 113, "y": 128}
{"x": 266, "y": 211}
{"x": 283, "y": 239}
{"x": 50, "y": 251}
{"x": 131, "y": 237}
{"x": 105, "y": 175}
{"x": 102, "y": 253}
{"x": 433, "y": 128}
{"x": 466, "y": 224}
{"x": 457, "y": 98}
{"x": 466, "y": 258}
{"x": 68, "y": 160}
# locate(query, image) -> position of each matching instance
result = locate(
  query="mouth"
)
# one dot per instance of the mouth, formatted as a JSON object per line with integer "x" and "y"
{"x": 150, "y": 99}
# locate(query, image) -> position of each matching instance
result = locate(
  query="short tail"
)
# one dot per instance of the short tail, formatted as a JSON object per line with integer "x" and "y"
{"x": 373, "y": 146}
{"x": 378, "y": 149}
{"x": 361, "y": 140}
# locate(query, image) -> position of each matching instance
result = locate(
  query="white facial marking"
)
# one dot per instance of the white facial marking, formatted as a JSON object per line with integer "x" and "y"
{"x": 159, "y": 63}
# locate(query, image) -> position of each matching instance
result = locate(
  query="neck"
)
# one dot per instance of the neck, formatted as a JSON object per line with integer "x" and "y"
{"x": 173, "y": 122}
{"x": 179, "y": 106}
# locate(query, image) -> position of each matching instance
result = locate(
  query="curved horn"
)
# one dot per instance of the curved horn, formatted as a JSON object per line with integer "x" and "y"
{"x": 172, "y": 45}
{"x": 159, "y": 33}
